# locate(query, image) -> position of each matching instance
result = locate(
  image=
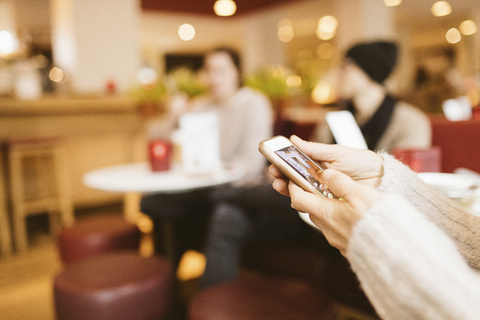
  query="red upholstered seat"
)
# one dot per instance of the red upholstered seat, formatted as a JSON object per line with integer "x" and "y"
{"x": 119, "y": 285}
{"x": 261, "y": 298}
{"x": 97, "y": 235}
{"x": 459, "y": 141}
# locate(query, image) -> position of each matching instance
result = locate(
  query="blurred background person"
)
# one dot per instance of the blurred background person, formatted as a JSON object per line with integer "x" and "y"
{"x": 385, "y": 122}
{"x": 247, "y": 210}
{"x": 245, "y": 117}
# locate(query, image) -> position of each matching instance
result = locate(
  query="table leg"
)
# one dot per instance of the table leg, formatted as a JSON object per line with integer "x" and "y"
{"x": 131, "y": 206}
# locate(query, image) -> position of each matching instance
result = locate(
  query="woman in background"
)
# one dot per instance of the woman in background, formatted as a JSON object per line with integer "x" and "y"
{"x": 385, "y": 122}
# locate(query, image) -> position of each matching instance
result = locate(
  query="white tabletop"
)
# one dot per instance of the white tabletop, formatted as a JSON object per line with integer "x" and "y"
{"x": 137, "y": 177}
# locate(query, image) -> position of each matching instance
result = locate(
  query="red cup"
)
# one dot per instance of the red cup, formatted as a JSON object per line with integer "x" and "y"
{"x": 160, "y": 152}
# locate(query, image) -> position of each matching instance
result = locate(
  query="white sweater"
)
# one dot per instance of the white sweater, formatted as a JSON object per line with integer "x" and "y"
{"x": 245, "y": 120}
{"x": 417, "y": 258}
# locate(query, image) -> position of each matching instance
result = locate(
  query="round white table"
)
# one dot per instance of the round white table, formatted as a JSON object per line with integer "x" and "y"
{"x": 137, "y": 177}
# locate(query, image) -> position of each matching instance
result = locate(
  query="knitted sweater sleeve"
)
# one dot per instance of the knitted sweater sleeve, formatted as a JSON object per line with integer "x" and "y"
{"x": 408, "y": 267}
{"x": 462, "y": 227}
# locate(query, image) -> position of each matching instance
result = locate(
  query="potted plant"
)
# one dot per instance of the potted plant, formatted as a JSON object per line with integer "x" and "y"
{"x": 150, "y": 98}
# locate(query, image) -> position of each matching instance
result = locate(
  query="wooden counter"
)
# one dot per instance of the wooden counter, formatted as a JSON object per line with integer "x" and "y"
{"x": 56, "y": 105}
{"x": 97, "y": 131}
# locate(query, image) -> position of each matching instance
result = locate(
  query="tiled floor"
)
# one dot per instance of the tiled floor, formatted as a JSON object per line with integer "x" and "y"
{"x": 26, "y": 283}
{"x": 26, "y": 279}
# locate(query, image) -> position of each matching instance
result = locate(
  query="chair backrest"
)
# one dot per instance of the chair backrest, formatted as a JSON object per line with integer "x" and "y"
{"x": 421, "y": 160}
{"x": 459, "y": 142}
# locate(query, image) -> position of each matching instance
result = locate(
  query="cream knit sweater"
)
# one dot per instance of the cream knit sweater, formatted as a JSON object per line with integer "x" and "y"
{"x": 416, "y": 253}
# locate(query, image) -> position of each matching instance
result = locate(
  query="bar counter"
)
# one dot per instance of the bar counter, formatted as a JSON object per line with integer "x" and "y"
{"x": 56, "y": 105}
{"x": 98, "y": 131}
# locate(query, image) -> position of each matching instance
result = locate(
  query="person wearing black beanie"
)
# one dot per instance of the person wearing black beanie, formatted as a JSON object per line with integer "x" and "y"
{"x": 385, "y": 122}
{"x": 376, "y": 59}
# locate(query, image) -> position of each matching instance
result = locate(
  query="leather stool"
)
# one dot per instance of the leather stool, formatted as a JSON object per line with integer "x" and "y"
{"x": 38, "y": 183}
{"x": 117, "y": 285}
{"x": 97, "y": 235}
{"x": 261, "y": 298}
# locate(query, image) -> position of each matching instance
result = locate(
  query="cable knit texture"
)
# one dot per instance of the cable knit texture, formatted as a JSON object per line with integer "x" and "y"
{"x": 409, "y": 267}
{"x": 461, "y": 226}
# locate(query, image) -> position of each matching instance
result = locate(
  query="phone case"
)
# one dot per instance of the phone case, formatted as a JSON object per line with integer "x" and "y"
{"x": 291, "y": 173}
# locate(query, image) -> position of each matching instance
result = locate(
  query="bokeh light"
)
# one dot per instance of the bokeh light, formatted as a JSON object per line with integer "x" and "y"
{"x": 441, "y": 8}
{"x": 294, "y": 81}
{"x": 186, "y": 32}
{"x": 468, "y": 27}
{"x": 8, "y": 43}
{"x": 285, "y": 33}
{"x": 224, "y": 8}
{"x": 285, "y": 30}
{"x": 327, "y": 26}
{"x": 40, "y": 61}
{"x": 147, "y": 76}
{"x": 453, "y": 35}
{"x": 392, "y": 3}
{"x": 58, "y": 75}
{"x": 323, "y": 93}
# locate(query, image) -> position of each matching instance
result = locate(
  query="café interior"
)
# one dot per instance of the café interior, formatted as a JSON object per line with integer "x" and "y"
{"x": 82, "y": 83}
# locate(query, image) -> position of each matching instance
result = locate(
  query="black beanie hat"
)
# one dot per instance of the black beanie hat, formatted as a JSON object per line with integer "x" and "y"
{"x": 377, "y": 58}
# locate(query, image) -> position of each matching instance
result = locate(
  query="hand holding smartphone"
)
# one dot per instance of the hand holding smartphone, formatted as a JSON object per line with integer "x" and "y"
{"x": 295, "y": 164}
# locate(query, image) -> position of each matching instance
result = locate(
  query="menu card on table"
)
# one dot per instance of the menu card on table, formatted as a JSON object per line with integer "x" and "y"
{"x": 200, "y": 142}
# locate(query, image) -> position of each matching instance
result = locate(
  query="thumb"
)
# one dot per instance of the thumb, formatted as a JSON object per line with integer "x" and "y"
{"x": 341, "y": 185}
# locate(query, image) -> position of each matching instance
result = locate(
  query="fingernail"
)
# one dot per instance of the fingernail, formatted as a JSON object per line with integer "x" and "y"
{"x": 327, "y": 174}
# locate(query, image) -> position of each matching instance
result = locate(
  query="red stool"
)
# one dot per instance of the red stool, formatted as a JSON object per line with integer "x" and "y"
{"x": 261, "y": 298}
{"x": 118, "y": 285}
{"x": 97, "y": 235}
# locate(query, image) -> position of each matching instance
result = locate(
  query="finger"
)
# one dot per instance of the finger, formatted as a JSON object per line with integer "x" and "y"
{"x": 346, "y": 188}
{"x": 281, "y": 186}
{"x": 302, "y": 200}
{"x": 319, "y": 151}
{"x": 275, "y": 172}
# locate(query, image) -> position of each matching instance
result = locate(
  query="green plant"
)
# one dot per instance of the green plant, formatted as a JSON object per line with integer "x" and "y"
{"x": 186, "y": 81}
{"x": 149, "y": 93}
{"x": 272, "y": 81}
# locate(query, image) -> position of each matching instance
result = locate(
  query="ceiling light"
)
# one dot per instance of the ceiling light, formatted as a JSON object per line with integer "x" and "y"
{"x": 327, "y": 27}
{"x": 186, "y": 32}
{"x": 8, "y": 43}
{"x": 453, "y": 35}
{"x": 323, "y": 93}
{"x": 285, "y": 33}
{"x": 224, "y": 8}
{"x": 441, "y": 8}
{"x": 468, "y": 27}
{"x": 392, "y": 3}
{"x": 294, "y": 81}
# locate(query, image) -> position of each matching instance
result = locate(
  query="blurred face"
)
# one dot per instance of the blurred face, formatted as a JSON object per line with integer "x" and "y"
{"x": 222, "y": 76}
{"x": 352, "y": 80}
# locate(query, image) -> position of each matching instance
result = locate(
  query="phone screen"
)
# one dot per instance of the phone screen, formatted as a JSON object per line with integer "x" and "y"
{"x": 305, "y": 167}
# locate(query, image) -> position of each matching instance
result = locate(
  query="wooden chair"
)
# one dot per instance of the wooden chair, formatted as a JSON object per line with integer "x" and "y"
{"x": 38, "y": 183}
{"x": 5, "y": 234}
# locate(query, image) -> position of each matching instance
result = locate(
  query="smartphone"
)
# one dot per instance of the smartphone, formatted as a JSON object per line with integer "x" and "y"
{"x": 295, "y": 164}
